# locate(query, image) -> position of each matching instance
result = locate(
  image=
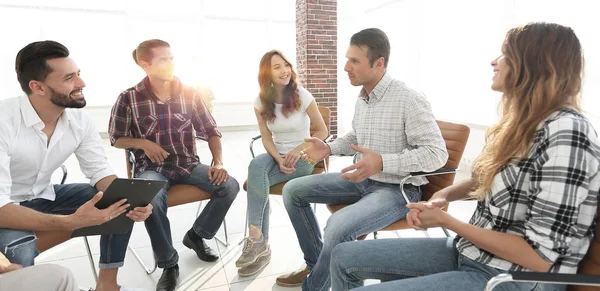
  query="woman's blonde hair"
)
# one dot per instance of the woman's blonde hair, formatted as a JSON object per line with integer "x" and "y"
{"x": 545, "y": 71}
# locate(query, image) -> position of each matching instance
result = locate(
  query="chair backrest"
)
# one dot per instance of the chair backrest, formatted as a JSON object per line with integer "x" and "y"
{"x": 455, "y": 135}
{"x": 129, "y": 160}
{"x": 326, "y": 113}
{"x": 591, "y": 263}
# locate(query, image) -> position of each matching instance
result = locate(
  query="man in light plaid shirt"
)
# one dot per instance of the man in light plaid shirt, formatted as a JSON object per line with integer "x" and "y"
{"x": 394, "y": 133}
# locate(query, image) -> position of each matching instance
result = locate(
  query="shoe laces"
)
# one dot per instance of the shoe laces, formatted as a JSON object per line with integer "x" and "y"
{"x": 248, "y": 244}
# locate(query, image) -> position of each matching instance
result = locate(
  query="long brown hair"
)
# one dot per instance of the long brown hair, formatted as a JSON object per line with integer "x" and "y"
{"x": 268, "y": 94}
{"x": 545, "y": 65}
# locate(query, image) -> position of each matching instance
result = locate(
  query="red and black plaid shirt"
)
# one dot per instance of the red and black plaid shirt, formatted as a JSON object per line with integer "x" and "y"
{"x": 138, "y": 113}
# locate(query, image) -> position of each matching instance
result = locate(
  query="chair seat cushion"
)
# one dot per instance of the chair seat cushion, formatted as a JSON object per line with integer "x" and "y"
{"x": 182, "y": 194}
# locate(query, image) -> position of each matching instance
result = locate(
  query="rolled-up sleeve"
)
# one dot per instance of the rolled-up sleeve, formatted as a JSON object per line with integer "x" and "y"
{"x": 204, "y": 123}
{"x": 5, "y": 178}
{"x": 90, "y": 154}
{"x": 559, "y": 186}
{"x": 120, "y": 119}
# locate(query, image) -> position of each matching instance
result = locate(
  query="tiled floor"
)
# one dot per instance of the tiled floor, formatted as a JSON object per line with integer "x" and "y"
{"x": 221, "y": 275}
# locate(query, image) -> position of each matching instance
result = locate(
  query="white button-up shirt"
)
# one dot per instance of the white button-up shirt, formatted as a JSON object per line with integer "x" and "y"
{"x": 27, "y": 159}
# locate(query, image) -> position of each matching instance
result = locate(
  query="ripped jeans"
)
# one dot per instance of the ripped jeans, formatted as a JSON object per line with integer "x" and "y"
{"x": 19, "y": 245}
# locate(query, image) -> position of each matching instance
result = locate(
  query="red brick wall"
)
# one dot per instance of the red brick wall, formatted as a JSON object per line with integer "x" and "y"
{"x": 316, "y": 51}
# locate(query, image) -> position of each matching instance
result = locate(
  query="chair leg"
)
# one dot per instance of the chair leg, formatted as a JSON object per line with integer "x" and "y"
{"x": 374, "y": 235}
{"x": 245, "y": 227}
{"x": 426, "y": 232}
{"x": 139, "y": 259}
{"x": 245, "y": 230}
{"x": 89, "y": 252}
{"x": 226, "y": 242}
{"x": 446, "y": 232}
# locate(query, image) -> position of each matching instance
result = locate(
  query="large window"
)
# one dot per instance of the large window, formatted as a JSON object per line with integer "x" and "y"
{"x": 217, "y": 44}
{"x": 444, "y": 48}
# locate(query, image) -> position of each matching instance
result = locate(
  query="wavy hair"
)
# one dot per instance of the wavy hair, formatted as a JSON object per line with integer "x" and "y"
{"x": 545, "y": 72}
{"x": 268, "y": 94}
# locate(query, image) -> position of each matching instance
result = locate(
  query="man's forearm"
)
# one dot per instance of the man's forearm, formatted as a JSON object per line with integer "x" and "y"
{"x": 23, "y": 218}
{"x": 130, "y": 143}
{"x": 103, "y": 184}
{"x": 341, "y": 146}
{"x": 214, "y": 144}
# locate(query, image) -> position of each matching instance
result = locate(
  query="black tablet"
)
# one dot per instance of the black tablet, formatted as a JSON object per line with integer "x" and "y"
{"x": 138, "y": 193}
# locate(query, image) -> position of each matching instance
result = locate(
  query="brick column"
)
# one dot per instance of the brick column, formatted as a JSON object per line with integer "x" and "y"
{"x": 316, "y": 52}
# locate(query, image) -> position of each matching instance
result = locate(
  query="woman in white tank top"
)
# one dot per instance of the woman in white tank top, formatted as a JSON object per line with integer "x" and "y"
{"x": 284, "y": 111}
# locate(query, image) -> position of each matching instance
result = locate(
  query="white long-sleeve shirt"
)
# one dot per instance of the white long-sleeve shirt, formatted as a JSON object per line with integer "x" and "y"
{"x": 27, "y": 159}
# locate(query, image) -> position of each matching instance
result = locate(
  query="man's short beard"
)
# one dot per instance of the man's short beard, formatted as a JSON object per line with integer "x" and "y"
{"x": 65, "y": 101}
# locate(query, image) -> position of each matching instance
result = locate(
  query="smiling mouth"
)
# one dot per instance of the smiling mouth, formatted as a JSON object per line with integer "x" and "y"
{"x": 77, "y": 94}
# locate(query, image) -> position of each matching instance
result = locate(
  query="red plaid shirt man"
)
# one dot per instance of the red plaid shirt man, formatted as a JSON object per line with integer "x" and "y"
{"x": 138, "y": 113}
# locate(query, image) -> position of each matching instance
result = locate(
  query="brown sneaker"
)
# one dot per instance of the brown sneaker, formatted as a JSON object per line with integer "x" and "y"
{"x": 293, "y": 279}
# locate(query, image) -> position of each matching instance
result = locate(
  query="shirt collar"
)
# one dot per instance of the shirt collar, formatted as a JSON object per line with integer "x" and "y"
{"x": 145, "y": 90}
{"x": 379, "y": 89}
{"x": 31, "y": 118}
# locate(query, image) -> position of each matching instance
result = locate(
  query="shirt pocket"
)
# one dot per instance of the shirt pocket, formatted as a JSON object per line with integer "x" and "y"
{"x": 148, "y": 125}
{"x": 181, "y": 122}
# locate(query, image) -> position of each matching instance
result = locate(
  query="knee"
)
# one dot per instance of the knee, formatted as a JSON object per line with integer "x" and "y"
{"x": 19, "y": 247}
{"x": 257, "y": 165}
{"x": 230, "y": 188}
{"x": 341, "y": 256}
{"x": 292, "y": 191}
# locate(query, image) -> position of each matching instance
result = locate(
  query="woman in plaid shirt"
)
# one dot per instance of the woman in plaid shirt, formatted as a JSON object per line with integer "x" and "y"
{"x": 536, "y": 181}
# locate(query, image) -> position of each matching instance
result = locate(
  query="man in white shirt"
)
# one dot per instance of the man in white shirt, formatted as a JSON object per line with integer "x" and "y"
{"x": 394, "y": 133}
{"x": 38, "y": 132}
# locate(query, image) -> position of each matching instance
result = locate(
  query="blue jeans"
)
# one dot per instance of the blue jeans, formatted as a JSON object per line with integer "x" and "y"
{"x": 19, "y": 245}
{"x": 207, "y": 223}
{"x": 263, "y": 173}
{"x": 414, "y": 264}
{"x": 375, "y": 205}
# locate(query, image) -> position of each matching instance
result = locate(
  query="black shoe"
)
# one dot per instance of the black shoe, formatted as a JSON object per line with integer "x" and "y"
{"x": 201, "y": 248}
{"x": 168, "y": 280}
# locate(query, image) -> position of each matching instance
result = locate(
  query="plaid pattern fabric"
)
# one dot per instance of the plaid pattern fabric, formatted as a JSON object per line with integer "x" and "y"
{"x": 396, "y": 122}
{"x": 138, "y": 113}
{"x": 549, "y": 198}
